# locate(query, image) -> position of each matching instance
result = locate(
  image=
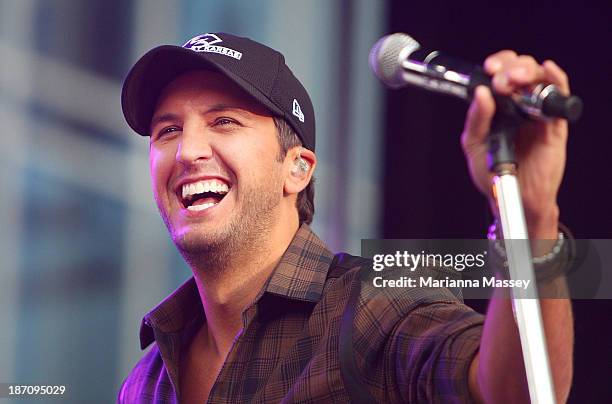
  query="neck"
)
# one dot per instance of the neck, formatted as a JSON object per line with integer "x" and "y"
{"x": 227, "y": 292}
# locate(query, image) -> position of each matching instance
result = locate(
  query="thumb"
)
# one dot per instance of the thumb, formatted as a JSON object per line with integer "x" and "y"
{"x": 479, "y": 116}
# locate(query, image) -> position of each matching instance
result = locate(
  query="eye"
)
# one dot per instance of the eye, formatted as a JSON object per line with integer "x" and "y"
{"x": 225, "y": 121}
{"x": 165, "y": 131}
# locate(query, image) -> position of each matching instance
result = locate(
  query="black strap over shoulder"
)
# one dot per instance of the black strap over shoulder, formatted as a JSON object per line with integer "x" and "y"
{"x": 355, "y": 387}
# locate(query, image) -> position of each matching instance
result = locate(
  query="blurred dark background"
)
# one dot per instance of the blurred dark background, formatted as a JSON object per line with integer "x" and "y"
{"x": 423, "y": 138}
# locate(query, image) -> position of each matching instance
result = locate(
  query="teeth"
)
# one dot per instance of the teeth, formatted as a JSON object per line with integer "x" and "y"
{"x": 203, "y": 206}
{"x": 189, "y": 189}
{"x": 204, "y": 186}
{"x": 199, "y": 187}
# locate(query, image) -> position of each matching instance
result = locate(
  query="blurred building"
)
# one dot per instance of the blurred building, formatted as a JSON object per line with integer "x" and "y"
{"x": 83, "y": 251}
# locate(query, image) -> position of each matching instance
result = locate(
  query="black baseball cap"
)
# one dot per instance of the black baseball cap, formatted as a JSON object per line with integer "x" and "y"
{"x": 256, "y": 68}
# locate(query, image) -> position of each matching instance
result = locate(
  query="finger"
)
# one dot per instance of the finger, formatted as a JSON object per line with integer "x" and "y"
{"x": 525, "y": 70}
{"x": 497, "y": 61}
{"x": 479, "y": 117}
{"x": 522, "y": 72}
{"x": 555, "y": 75}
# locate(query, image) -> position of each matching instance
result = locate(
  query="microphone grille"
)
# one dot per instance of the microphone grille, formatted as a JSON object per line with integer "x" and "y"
{"x": 386, "y": 57}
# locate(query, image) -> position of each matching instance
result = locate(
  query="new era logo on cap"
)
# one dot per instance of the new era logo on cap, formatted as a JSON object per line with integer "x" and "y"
{"x": 297, "y": 111}
{"x": 206, "y": 43}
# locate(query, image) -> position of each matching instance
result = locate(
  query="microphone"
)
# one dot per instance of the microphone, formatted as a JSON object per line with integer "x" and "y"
{"x": 398, "y": 60}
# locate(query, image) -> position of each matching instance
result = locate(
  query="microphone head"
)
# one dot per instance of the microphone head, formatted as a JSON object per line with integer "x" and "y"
{"x": 386, "y": 57}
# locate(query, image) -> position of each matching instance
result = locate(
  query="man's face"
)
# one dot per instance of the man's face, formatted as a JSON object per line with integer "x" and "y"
{"x": 214, "y": 164}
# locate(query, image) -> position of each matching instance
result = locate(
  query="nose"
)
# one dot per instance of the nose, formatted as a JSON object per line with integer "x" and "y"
{"x": 194, "y": 145}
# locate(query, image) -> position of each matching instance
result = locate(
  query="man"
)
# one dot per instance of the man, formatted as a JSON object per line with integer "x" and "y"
{"x": 264, "y": 317}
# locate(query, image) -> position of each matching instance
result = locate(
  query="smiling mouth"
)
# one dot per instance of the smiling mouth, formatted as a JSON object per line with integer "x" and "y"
{"x": 202, "y": 195}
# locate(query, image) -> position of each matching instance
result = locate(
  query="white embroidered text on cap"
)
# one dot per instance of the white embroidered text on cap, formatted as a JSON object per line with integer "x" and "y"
{"x": 206, "y": 43}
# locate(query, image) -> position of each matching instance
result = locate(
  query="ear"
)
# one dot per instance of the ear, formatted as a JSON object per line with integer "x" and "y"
{"x": 300, "y": 164}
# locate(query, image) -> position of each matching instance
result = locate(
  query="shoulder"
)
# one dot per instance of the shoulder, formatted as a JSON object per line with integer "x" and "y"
{"x": 145, "y": 379}
{"x": 397, "y": 331}
{"x": 346, "y": 270}
{"x": 381, "y": 313}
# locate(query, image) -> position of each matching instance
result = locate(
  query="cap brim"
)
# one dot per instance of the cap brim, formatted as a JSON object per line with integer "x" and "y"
{"x": 156, "y": 69}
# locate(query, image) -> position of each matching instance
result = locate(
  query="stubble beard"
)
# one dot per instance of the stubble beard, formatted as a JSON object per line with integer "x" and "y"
{"x": 214, "y": 251}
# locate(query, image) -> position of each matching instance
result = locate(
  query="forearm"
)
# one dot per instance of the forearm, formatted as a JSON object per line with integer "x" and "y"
{"x": 498, "y": 372}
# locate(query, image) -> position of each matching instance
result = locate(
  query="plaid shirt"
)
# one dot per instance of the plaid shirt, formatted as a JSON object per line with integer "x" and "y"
{"x": 410, "y": 345}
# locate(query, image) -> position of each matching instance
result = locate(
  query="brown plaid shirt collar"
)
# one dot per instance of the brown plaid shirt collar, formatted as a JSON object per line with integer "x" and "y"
{"x": 300, "y": 275}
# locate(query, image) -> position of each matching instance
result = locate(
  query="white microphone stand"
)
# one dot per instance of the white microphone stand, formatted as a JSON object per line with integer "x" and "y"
{"x": 526, "y": 305}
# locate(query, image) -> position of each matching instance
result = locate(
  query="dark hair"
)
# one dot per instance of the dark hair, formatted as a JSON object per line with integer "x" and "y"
{"x": 287, "y": 138}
